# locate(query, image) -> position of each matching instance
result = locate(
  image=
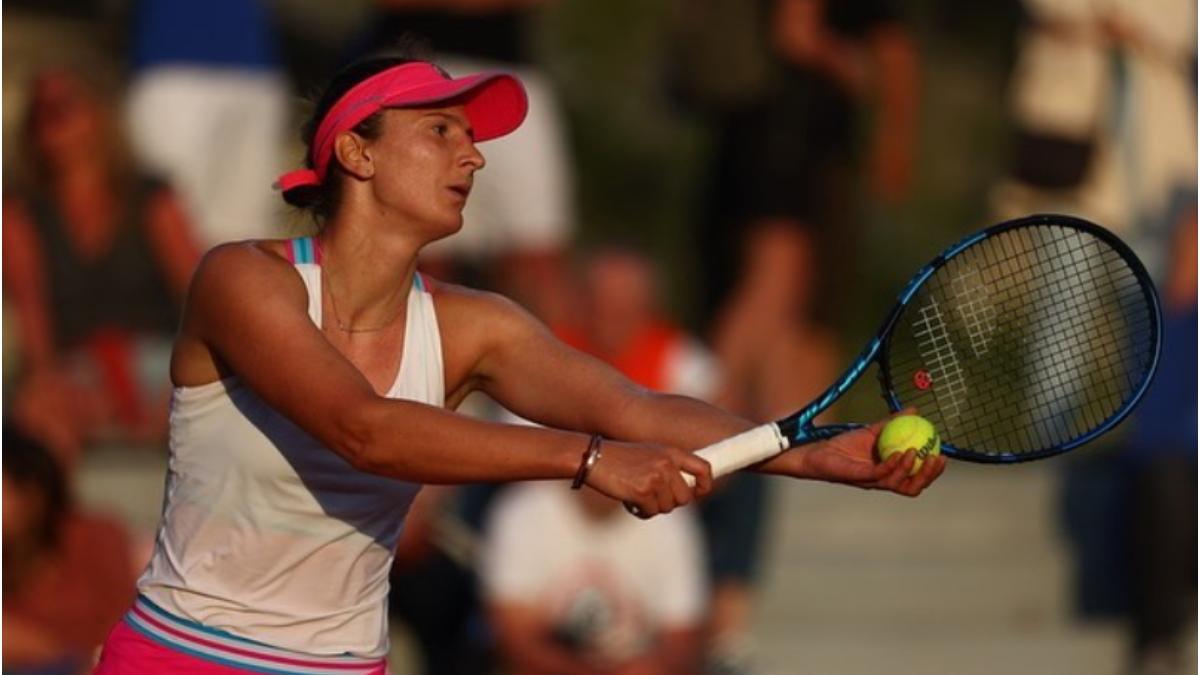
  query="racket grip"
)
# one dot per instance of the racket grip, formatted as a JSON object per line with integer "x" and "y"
{"x": 739, "y": 452}
{"x": 735, "y": 452}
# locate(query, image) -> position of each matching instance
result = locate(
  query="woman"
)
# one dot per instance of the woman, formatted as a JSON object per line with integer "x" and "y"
{"x": 314, "y": 383}
{"x": 97, "y": 257}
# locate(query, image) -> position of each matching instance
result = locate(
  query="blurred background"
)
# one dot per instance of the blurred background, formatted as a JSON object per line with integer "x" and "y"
{"x": 720, "y": 198}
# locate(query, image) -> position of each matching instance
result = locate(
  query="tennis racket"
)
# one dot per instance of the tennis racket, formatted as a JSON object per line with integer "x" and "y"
{"x": 1020, "y": 342}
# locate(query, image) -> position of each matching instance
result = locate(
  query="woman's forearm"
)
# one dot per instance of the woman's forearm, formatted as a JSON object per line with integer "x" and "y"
{"x": 691, "y": 424}
{"x": 668, "y": 419}
{"x": 417, "y": 442}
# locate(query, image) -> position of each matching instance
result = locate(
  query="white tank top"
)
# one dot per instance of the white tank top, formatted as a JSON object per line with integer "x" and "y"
{"x": 270, "y": 536}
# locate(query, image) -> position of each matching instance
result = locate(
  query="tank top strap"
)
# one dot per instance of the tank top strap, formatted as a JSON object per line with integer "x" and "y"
{"x": 304, "y": 251}
{"x": 421, "y": 374}
{"x": 304, "y": 254}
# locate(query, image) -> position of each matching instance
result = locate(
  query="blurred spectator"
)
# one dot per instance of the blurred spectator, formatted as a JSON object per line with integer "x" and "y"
{"x": 575, "y": 585}
{"x": 775, "y": 359}
{"x": 1103, "y": 100}
{"x": 774, "y": 354}
{"x": 621, "y": 322}
{"x": 521, "y": 215}
{"x": 1161, "y": 468}
{"x": 1104, "y": 105}
{"x": 97, "y": 256}
{"x": 67, "y": 573}
{"x": 787, "y": 96}
{"x": 208, "y": 109}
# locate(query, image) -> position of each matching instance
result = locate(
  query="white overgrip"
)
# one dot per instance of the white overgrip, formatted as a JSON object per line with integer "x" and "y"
{"x": 739, "y": 452}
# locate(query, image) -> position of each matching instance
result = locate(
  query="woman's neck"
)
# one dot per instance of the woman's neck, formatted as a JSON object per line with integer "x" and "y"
{"x": 369, "y": 274}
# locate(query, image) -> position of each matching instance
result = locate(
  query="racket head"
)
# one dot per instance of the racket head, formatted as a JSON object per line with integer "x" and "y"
{"x": 1025, "y": 340}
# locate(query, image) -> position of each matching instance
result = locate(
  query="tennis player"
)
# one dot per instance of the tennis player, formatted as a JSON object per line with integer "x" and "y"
{"x": 315, "y": 381}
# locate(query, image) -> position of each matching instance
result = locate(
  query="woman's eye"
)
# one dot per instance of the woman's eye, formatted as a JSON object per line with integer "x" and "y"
{"x": 441, "y": 129}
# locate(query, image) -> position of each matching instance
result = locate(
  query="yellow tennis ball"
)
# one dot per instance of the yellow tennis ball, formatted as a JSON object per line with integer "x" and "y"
{"x": 909, "y": 432}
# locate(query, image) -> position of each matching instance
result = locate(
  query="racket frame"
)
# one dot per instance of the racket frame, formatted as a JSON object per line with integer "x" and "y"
{"x": 798, "y": 428}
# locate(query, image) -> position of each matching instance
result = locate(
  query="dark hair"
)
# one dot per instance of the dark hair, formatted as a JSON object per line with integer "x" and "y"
{"x": 28, "y": 463}
{"x": 322, "y": 200}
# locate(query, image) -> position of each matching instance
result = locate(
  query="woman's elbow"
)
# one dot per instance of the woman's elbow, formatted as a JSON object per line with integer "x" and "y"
{"x": 356, "y": 434}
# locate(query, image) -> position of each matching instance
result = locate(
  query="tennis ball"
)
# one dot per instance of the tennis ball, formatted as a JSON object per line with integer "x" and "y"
{"x": 909, "y": 432}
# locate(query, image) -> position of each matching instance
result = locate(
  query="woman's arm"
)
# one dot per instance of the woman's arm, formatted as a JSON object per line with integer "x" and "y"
{"x": 536, "y": 376}
{"x": 247, "y": 313}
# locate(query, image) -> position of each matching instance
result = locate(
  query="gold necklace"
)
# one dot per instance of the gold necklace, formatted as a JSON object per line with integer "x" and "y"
{"x": 338, "y": 319}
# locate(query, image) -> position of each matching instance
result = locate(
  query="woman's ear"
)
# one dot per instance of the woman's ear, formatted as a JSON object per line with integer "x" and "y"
{"x": 352, "y": 153}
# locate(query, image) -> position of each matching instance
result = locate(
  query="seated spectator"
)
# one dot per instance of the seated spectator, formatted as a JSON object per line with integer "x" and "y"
{"x": 96, "y": 260}
{"x": 573, "y": 584}
{"x": 67, "y": 573}
{"x": 622, "y": 323}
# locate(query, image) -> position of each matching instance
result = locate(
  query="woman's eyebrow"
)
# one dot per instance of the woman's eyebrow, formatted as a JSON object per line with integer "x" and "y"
{"x": 461, "y": 120}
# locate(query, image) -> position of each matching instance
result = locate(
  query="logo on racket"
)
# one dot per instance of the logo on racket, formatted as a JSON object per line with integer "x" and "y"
{"x": 922, "y": 380}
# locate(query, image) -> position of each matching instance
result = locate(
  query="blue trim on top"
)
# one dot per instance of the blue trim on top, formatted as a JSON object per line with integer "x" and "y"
{"x": 418, "y": 282}
{"x": 299, "y": 255}
{"x": 167, "y": 616}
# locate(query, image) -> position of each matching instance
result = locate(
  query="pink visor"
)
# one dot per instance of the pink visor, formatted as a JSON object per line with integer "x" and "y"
{"x": 495, "y": 104}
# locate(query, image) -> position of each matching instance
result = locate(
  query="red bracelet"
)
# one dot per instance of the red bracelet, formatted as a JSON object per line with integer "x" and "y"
{"x": 590, "y": 457}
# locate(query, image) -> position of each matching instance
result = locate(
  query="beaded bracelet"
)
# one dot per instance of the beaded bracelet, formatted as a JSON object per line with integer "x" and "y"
{"x": 590, "y": 457}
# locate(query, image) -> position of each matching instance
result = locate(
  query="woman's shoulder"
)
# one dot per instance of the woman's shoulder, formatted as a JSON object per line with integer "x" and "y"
{"x": 480, "y": 320}
{"x": 448, "y": 293}
{"x": 471, "y": 304}
{"x": 250, "y": 252}
{"x": 252, "y": 267}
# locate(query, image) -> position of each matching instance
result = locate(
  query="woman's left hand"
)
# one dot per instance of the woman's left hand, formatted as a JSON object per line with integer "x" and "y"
{"x": 849, "y": 458}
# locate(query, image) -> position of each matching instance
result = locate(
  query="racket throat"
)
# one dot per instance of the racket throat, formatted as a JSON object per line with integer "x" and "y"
{"x": 801, "y": 433}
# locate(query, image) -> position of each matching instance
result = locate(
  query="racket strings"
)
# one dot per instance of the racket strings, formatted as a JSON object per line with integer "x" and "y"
{"x": 1025, "y": 341}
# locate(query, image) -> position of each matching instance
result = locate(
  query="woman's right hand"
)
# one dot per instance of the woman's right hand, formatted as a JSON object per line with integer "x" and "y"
{"x": 648, "y": 476}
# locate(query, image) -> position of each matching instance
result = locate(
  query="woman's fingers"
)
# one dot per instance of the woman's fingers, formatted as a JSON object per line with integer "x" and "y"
{"x": 700, "y": 469}
{"x": 930, "y": 470}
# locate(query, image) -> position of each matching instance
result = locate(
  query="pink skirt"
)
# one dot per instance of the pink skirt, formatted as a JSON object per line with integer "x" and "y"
{"x": 149, "y": 640}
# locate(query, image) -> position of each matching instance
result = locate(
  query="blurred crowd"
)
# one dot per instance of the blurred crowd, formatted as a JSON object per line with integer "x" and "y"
{"x": 135, "y": 153}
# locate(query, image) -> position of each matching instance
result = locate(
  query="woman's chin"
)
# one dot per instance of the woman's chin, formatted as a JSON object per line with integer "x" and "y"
{"x": 443, "y": 230}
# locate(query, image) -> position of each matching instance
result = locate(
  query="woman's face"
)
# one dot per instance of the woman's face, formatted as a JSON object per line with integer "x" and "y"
{"x": 66, "y": 119}
{"x": 424, "y": 165}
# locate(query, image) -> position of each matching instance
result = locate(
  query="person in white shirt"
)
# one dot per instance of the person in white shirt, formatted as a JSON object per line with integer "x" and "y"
{"x": 574, "y": 585}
